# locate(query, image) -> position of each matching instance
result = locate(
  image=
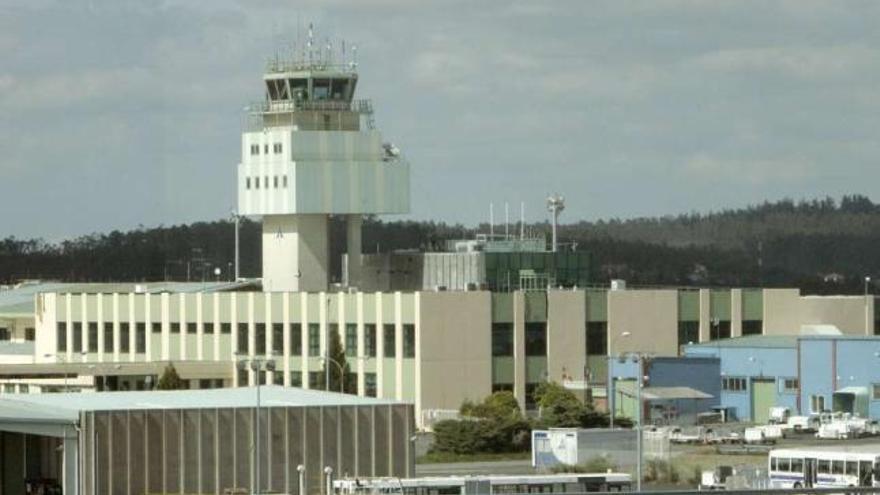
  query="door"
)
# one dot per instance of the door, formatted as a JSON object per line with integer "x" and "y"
{"x": 763, "y": 398}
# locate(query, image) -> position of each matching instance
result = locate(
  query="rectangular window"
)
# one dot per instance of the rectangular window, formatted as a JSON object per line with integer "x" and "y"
{"x": 783, "y": 464}
{"x": 191, "y": 328}
{"x": 351, "y": 383}
{"x": 817, "y": 403}
{"x": 247, "y": 183}
{"x": 93, "y": 336}
{"x": 536, "y": 339}
{"x": 30, "y": 334}
{"x": 140, "y": 337}
{"x": 752, "y": 327}
{"x": 790, "y": 385}
{"x": 296, "y": 346}
{"x": 108, "y": 337}
{"x": 260, "y": 338}
{"x": 242, "y": 378}
{"x": 255, "y": 149}
{"x": 852, "y": 468}
{"x": 61, "y": 336}
{"x": 370, "y": 389}
{"x": 389, "y": 340}
{"x": 124, "y": 336}
{"x": 797, "y": 465}
{"x": 4, "y": 334}
{"x": 77, "y": 337}
{"x": 256, "y": 182}
{"x": 284, "y": 181}
{"x": 278, "y": 378}
{"x": 314, "y": 339}
{"x": 502, "y": 339}
{"x": 836, "y": 467}
{"x": 276, "y": 148}
{"x": 175, "y": 327}
{"x": 719, "y": 330}
{"x": 157, "y": 327}
{"x": 351, "y": 339}
{"x": 242, "y": 347}
{"x": 208, "y": 328}
{"x": 278, "y": 338}
{"x": 266, "y": 149}
{"x": 266, "y": 182}
{"x": 875, "y": 391}
{"x": 688, "y": 333}
{"x": 296, "y": 379}
{"x": 409, "y": 340}
{"x": 733, "y": 384}
{"x": 597, "y": 338}
{"x": 823, "y": 466}
{"x": 370, "y": 340}
{"x": 275, "y": 182}
{"x": 226, "y": 328}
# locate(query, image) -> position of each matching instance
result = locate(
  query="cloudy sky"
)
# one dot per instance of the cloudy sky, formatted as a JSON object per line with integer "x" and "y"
{"x": 115, "y": 114}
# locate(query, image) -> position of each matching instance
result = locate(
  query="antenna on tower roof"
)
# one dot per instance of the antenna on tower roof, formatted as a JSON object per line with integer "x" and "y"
{"x": 354, "y": 57}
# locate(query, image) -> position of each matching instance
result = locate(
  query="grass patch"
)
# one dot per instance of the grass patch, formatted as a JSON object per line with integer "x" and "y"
{"x": 443, "y": 457}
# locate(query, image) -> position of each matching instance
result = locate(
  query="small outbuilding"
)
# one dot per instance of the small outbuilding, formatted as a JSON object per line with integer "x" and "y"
{"x": 199, "y": 441}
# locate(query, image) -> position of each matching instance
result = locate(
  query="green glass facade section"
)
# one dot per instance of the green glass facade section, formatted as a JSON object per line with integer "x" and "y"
{"x": 597, "y": 304}
{"x": 502, "y": 307}
{"x": 569, "y": 269}
{"x": 536, "y": 306}
{"x": 688, "y": 305}
{"x": 536, "y": 369}
{"x": 752, "y": 304}
{"x": 719, "y": 305}
{"x": 502, "y": 370}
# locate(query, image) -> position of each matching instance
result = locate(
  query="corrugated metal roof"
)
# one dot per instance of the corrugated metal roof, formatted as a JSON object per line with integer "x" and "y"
{"x": 673, "y": 393}
{"x": 784, "y": 341}
{"x": 67, "y": 407}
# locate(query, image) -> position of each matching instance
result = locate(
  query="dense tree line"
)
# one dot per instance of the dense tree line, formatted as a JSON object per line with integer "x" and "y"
{"x": 822, "y": 246}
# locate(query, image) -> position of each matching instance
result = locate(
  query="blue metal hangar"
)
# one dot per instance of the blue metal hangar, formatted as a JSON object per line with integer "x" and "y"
{"x": 806, "y": 373}
{"x": 198, "y": 441}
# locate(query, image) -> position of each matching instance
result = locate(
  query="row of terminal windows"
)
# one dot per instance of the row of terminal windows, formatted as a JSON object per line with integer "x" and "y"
{"x": 255, "y": 181}
{"x": 276, "y": 148}
{"x": 316, "y": 380}
{"x": 314, "y": 337}
{"x": 535, "y": 339}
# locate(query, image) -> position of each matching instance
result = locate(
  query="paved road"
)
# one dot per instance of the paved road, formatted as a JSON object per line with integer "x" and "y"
{"x": 494, "y": 467}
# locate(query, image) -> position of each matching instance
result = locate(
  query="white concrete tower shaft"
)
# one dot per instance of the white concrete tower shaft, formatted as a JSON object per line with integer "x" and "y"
{"x": 310, "y": 151}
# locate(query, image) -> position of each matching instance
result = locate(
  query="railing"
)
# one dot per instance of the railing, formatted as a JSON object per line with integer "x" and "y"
{"x": 287, "y": 106}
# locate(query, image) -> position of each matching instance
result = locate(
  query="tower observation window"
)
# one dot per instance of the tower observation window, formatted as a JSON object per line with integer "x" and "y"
{"x": 339, "y": 89}
{"x": 299, "y": 89}
{"x": 321, "y": 89}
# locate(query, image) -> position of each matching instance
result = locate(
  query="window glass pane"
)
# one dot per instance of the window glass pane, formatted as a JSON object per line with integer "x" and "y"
{"x": 351, "y": 340}
{"x": 296, "y": 340}
{"x": 124, "y": 337}
{"x": 278, "y": 338}
{"x": 77, "y": 337}
{"x": 314, "y": 339}
{"x": 370, "y": 340}
{"x": 836, "y": 467}
{"x": 260, "y": 338}
{"x": 597, "y": 338}
{"x": 61, "y": 337}
{"x": 502, "y": 339}
{"x": 389, "y": 336}
{"x": 191, "y": 328}
{"x": 93, "y": 336}
{"x": 536, "y": 339}
{"x": 409, "y": 340}
{"x": 242, "y": 338}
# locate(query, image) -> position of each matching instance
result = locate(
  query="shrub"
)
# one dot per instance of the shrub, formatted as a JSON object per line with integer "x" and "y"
{"x": 598, "y": 464}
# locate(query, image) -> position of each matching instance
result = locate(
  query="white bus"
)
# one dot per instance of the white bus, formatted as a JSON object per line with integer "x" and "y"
{"x": 825, "y": 467}
{"x": 486, "y": 485}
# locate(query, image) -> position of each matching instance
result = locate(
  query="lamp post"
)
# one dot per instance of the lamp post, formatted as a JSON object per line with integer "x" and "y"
{"x": 236, "y": 218}
{"x": 301, "y": 472}
{"x": 610, "y": 393}
{"x": 258, "y": 366}
{"x": 867, "y": 313}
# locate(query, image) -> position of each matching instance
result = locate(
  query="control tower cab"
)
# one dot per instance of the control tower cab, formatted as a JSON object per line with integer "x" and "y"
{"x": 310, "y": 150}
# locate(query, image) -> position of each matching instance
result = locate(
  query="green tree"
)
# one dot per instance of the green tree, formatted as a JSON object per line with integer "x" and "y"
{"x": 336, "y": 367}
{"x": 170, "y": 380}
{"x": 498, "y": 405}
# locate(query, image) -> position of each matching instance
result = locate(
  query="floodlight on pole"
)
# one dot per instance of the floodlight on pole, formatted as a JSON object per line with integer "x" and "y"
{"x": 555, "y": 205}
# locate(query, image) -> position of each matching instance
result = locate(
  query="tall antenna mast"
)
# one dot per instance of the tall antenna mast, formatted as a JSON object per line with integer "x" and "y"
{"x": 555, "y": 205}
{"x": 491, "y": 220}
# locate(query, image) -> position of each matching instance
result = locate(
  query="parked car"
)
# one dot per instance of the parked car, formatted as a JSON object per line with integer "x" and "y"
{"x": 779, "y": 415}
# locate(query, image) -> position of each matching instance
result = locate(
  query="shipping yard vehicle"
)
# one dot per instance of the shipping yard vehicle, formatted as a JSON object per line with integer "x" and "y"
{"x": 486, "y": 485}
{"x": 779, "y": 415}
{"x": 825, "y": 467}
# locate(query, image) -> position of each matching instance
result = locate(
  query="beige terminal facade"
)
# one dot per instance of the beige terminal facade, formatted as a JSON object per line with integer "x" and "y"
{"x": 434, "y": 348}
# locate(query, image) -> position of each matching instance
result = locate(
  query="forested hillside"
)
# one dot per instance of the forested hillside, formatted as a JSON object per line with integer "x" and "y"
{"x": 822, "y": 246}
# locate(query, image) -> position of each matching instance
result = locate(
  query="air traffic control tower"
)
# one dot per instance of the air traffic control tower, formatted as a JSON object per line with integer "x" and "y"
{"x": 309, "y": 151}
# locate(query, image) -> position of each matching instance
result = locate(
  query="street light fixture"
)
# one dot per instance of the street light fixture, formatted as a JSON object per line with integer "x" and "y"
{"x": 341, "y": 368}
{"x": 257, "y": 365}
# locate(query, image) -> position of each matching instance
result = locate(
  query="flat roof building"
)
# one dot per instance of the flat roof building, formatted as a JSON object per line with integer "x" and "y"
{"x": 203, "y": 441}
